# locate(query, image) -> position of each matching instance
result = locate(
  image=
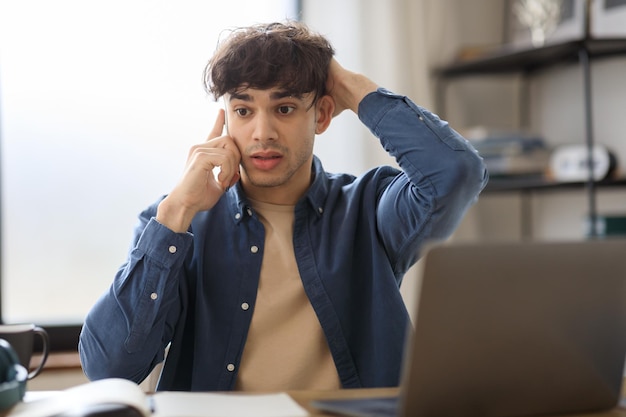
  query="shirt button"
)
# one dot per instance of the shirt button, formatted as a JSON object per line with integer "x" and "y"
{"x": 320, "y": 209}
{"x": 249, "y": 212}
{"x": 254, "y": 249}
{"x": 245, "y": 306}
{"x": 172, "y": 249}
{"x": 154, "y": 296}
{"x": 238, "y": 216}
{"x": 230, "y": 367}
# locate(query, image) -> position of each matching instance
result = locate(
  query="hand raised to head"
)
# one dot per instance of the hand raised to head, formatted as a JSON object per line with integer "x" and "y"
{"x": 199, "y": 189}
{"x": 347, "y": 88}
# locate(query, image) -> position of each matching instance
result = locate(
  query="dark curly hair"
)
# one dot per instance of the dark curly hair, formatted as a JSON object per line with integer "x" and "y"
{"x": 284, "y": 55}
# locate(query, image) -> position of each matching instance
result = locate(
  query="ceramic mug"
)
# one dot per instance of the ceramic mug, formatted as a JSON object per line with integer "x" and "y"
{"x": 21, "y": 337}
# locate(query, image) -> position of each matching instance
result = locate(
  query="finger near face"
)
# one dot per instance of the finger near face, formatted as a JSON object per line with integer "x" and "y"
{"x": 224, "y": 146}
{"x": 222, "y": 163}
{"x": 218, "y": 126}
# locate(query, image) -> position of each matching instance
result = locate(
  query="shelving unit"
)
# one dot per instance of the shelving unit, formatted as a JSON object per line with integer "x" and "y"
{"x": 524, "y": 184}
{"x": 511, "y": 60}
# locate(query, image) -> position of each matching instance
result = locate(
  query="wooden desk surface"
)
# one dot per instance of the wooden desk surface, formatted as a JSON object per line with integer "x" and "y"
{"x": 304, "y": 398}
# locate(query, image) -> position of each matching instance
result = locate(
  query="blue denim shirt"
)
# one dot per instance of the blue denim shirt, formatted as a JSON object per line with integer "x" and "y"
{"x": 354, "y": 239}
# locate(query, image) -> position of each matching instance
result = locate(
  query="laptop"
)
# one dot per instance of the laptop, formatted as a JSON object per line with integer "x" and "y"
{"x": 512, "y": 329}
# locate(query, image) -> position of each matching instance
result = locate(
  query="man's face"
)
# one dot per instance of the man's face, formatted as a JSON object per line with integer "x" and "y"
{"x": 275, "y": 134}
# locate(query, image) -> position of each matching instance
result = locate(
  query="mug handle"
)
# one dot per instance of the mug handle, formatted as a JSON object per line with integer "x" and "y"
{"x": 46, "y": 350}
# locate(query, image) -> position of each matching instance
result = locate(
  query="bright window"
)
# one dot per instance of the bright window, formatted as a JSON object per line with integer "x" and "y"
{"x": 99, "y": 104}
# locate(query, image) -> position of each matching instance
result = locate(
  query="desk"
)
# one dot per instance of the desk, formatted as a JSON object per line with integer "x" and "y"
{"x": 69, "y": 363}
{"x": 305, "y": 397}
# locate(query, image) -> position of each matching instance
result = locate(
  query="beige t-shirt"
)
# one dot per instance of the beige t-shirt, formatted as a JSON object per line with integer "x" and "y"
{"x": 286, "y": 348}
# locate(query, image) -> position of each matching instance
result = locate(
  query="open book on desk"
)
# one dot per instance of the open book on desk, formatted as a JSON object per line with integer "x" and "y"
{"x": 122, "y": 398}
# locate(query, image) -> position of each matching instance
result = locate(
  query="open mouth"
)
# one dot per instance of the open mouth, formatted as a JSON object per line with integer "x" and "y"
{"x": 266, "y": 161}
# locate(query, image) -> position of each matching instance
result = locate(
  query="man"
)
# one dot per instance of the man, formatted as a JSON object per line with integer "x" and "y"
{"x": 261, "y": 271}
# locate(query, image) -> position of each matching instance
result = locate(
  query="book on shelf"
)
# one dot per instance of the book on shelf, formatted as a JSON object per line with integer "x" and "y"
{"x": 123, "y": 398}
{"x": 531, "y": 165}
{"x": 510, "y": 153}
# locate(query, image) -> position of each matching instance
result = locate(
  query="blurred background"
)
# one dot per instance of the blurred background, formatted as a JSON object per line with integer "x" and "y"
{"x": 100, "y": 102}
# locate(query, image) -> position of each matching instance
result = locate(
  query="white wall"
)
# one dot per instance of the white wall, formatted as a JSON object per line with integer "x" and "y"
{"x": 100, "y": 102}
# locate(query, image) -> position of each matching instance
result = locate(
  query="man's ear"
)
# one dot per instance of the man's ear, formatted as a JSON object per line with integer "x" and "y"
{"x": 324, "y": 109}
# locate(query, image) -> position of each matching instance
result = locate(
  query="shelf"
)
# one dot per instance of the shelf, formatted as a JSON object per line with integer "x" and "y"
{"x": 508, "y": 59}
{"x": 525, "y": 61}
{"x": 497, "y": 185}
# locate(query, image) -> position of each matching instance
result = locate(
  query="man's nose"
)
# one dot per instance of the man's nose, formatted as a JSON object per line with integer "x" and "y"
{"x": 264, "y": 128}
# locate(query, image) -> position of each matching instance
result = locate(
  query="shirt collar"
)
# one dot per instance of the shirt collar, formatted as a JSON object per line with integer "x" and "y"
{"x": 314, "y": 197}
{"x": 318, "y": 191}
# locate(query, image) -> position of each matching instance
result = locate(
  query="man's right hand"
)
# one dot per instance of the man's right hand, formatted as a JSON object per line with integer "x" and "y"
{"x": 199, "y": 189}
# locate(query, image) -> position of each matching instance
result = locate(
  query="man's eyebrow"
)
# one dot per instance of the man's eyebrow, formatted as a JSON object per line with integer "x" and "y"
{"x": 240, "y": 96}
{"x": 277, "y": 95}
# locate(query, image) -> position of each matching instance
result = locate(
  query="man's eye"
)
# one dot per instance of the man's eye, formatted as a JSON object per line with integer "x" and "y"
{"x": 241, "y": 112}
{"x": 285, "y": 109}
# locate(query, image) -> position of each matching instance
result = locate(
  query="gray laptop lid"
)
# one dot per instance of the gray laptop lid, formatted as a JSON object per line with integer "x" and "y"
{"x": 517, "y": 329}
